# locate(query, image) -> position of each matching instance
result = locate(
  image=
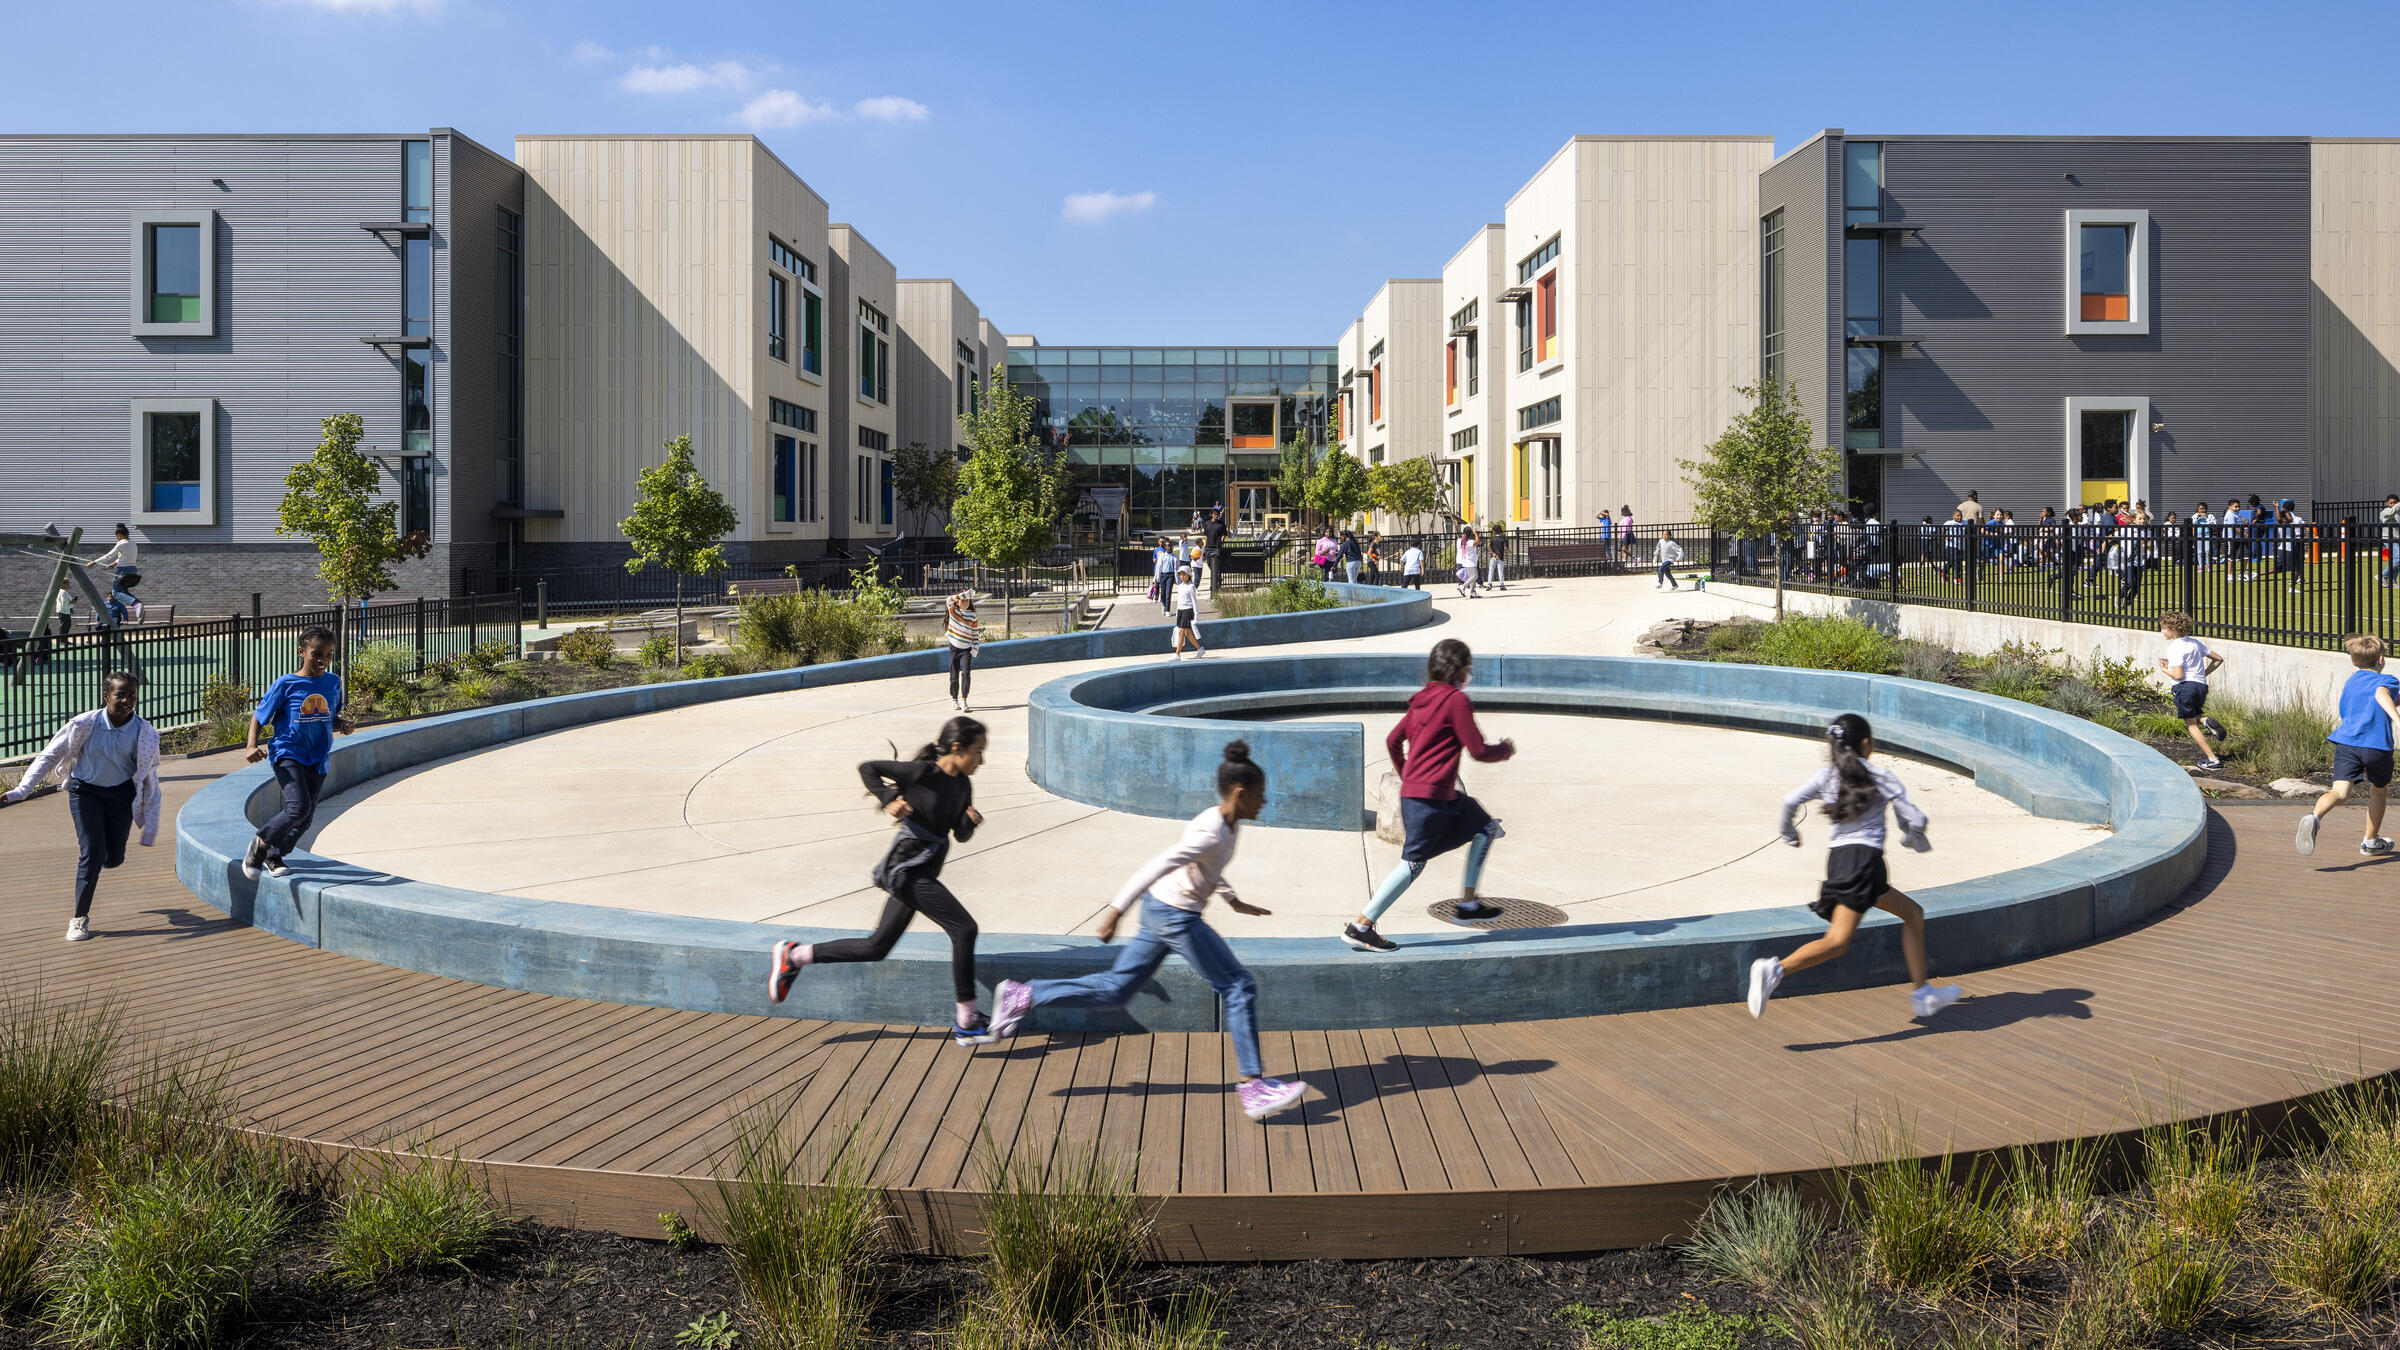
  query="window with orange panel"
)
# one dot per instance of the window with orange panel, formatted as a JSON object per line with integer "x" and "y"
{"x": 1450, "y": 372}
{"x": 2107, "y": 272}
{"x": 1545, "y": 314}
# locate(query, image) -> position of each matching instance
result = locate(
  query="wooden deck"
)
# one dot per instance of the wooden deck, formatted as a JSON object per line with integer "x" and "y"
{"x": 1542, "y": 1136}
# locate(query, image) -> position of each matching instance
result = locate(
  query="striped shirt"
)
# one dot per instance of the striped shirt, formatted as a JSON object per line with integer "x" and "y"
{"x": 961, "y": 628}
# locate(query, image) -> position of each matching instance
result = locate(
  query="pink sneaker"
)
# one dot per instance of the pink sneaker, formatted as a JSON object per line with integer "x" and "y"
{"x": 1263, "y": 1097}
{"x": 1015, "y": 999}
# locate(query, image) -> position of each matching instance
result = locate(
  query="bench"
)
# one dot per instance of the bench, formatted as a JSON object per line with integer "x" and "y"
{"x": 741, "y": 590}
{"x": 1591, "y": 553}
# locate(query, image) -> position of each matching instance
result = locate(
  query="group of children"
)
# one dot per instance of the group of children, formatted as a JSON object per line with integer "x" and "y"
{"x": 110, "y": 758}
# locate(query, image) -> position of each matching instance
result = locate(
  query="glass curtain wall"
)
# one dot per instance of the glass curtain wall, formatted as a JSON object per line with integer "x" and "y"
{"x": 1174, "y": 430}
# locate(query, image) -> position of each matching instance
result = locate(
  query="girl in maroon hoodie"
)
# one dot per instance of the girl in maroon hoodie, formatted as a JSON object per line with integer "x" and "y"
{"x": 1440, "y": 724}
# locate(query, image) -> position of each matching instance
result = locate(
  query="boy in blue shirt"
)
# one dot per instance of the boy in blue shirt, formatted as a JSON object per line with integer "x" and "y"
{"x": 2362, "y": 745}
{"x": 305, "y": 709}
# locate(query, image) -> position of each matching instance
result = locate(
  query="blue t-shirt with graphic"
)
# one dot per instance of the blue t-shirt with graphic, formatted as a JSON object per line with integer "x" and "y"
{"x": 2364, "y": 723}
{"x": 301, "y": 708}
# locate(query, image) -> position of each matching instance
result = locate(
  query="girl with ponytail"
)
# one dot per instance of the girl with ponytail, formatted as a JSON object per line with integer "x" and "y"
{"x": 1853, "y": 794}
{"x": 1174, "y": 888}
{"x": 933, "y": 801}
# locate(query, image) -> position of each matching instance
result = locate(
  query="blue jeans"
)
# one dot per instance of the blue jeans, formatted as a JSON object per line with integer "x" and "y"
{"x": 301, "y": 784}
{"x": 1350, "y": 571}
{"x": 1168, "y": 929}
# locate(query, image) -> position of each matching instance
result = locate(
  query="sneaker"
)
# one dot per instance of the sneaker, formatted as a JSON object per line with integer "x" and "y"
{"x": 2213, "y": 727}
{"x": 254, "y": 857}
{"x": 977, "y": 1032}
{"x": 1933, "y": 998}
{"x": 80, "y": 928}
{"x": 2210, "y": 765}
{"x": 1363, "y": 937}
{"x": 277, "y": 867}
{"x": 1199, "y": 653}
{"x": 1009, "y": 1008}
{"x": 1263, "y": 1097}
{"x": 1474, "y": 911}
{"x": 784, "y": 969}
{"x": 1765, "y": 973}
{"x": 2375, "y": 847}
{"x": 2305, "y": 839}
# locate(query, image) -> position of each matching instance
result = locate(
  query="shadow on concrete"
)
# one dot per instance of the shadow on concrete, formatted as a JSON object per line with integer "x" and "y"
{"x": 1989, "y": 1012}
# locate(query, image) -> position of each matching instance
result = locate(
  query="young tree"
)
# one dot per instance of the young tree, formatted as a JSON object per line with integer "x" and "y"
{"x": 1765, "y": 471}
{"x": 1407, "y": 488}
{"x": 924, "y": 479}
{"x": 676, "y": 522}
{"x": 1008, "y": 490}
{"x": 329, "y": 498}
{"x": 1339, "y": 487}
{"x": 1294, "y": 472}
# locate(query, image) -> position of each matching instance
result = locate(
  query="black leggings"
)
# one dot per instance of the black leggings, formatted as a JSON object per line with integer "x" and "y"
{"x": 929, "y": 897}
{"x": 103, "y": 817}
{"x": 962, "y": 671}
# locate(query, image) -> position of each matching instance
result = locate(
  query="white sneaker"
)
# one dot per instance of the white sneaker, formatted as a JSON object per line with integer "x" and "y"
{"x": 79, "y": 928}
{"x": 1933, "y": 998}
{"x": 1765, "y": 973}
{"x": 2375, "y": 847}
{"x": 2305, "y": 838}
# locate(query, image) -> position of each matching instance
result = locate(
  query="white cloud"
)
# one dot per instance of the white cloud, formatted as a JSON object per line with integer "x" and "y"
{"x": 683, "y": 79}
{"x": 422, "y": 7}
{"x": 1093, "y": 208}
{"x": 891, "y": 108}
{"x": 782, "y": 108}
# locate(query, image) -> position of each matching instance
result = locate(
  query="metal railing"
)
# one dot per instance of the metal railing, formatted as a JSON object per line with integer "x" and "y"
{"x": 181, "y": 663}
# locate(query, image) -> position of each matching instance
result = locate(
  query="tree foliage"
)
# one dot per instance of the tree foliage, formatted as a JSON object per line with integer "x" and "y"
{"x": 1765, "y": 472}
{"x": 1294, "y": 469}
{"x": 1339, "y": 488}
{"x": 1009, "y": 490}
{"x": 329, "y": 498}
{"x": 924, "y": 479}
{"x": 677, "y": 517}
{"x": 1405, "y": 488}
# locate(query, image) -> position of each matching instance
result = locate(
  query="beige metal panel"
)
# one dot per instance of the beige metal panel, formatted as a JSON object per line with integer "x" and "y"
{"x": 2354, "y": 261}
{"x": 1474, "y": 275}
{"x": 865, "y": 275}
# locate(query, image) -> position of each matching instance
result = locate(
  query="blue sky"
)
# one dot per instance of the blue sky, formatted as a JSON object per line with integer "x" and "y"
{"x": 1191, "y": 173}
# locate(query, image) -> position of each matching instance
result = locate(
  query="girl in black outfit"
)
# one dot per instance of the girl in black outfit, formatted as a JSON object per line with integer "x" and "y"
{"x": 934, "y": 803}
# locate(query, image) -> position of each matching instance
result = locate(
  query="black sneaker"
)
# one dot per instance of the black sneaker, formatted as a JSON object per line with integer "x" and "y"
{"x": 1473, "y": 911}
{"x": 2213, "y": 727}
{"x": 977, "y": 1032}
{"x": 1363, "y": 937}
{"x": 254, "y": 858}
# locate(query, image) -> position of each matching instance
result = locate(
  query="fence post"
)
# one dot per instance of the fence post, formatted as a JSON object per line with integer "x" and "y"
{"x": 2349, "y": 581}
{"x": 516, "y": 618}
{"x": 1974, "y": 535}
{"x": 2066, "y": 572}
{"x": 541, "y": 604}
{"x": 471, "y": 616}
{"x": 255, "y": 612}
{"x": 237, "y": 649}
{"x": 420, "y": 635}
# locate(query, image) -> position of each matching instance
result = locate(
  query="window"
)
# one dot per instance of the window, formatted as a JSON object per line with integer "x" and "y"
{"x": 883, "y": 470}
{"x": 174, "y": 274}
{"x": 416, "y": 287}
{"x": 1537, "y": 260}
{"x": 1375, "y": 383}
{"x": 1472, "y": 382}
{"x": 1463, "y": 353}
{"x": 812, "y": 330}
{"x": 1253, "y": 426}
{"x": 780, "y": 254}
{"x": 1862, "y": 297}
{"x": 874, "y": 356}
{"x": 1539, "y": 414}
{"x": 2108, "y": 449}
{"x": 2108, "y": 264}
{"x": 858, "y": 494}
{"x": 1464, "y": 439}
{"x": 959, "y": 385}
{"x": 416, "y": 401}
{"x": 1553, "y": 478}
{"x": 791, "y": 415}
{"x": 1450, "y": 373}
{"x": 174, "y": 447}
{"x": 1545, "y": 313}
{"x": 968, "y": 395}
{"x": 416, "y": 494}
{"x": 779, "y": 311}
{"x": 1770, "y": 297}
{"x": 1521, "y": 479}
{"x": 807, "y": 476}
{"x": 870, "y": 439}
{"x": 785, "y": 485}
{"x": 1375, "y": 456}
{"x": 1525, "y": 335}
{"x": 416, "y": 180}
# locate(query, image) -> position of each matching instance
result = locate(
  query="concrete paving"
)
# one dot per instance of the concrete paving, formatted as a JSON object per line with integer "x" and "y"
{"x": 752, "y": 809}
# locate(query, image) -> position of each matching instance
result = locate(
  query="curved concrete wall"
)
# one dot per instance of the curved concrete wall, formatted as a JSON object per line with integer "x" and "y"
{"x": 2055, "y": 764}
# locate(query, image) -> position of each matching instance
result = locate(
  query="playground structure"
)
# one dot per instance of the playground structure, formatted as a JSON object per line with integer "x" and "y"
{"x": 21, "y": 653}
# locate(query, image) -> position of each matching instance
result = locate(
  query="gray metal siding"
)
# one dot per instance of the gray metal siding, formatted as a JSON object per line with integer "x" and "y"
{"x": 471, "y": 363}
{"x": 1798, "y": 184}
{"x": 1979, "y": 403}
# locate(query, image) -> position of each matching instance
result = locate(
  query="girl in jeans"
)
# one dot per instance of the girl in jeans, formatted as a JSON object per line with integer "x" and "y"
{"x": 963, "y": 632}
{"x": 1174, "y": 888}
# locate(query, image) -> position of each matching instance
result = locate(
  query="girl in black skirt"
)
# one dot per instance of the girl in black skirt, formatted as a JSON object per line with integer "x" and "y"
{"x": 1854, "y": 792}
{"x": 934, "y": 803}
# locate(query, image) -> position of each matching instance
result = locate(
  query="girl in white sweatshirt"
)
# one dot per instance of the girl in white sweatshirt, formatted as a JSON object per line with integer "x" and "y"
{"x": 110, "y": 757}
{"x": 1174, "y": 888}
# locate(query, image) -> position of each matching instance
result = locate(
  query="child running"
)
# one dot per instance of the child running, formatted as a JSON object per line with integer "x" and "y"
{"x": 1438, "y": 726}
{"x": 934, "y": 803}
{"x": 1853, "y": 793}
{"x": 305, "y": 709}
{"x": 964, "y": 632}
{"x": 1187, "y": 606}
{"x": 1174, "y": 888}
{"x": 1468, "y": 587}
{"x": 110, "y": 757}
{"x": 2187, "y": 664}
{"x": 2362, "y": 745}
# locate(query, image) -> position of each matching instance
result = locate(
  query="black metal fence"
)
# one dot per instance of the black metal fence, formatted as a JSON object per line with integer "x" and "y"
{"x": 2302, "y": 583}
{"x": 44, "y": 680}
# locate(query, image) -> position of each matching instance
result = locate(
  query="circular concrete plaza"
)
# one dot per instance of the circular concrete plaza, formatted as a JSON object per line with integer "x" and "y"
{"x": 752, "y": 809}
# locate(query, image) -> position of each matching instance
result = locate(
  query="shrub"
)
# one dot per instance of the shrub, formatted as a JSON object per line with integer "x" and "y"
{"x": 1927, "y": 661}
{"x": 471, "y": 690}
{"x": 816, "y": 626}
{"x": 1818, "y": 642}
{"x": 2361, "y": 1123}
{"x": 2011, "y": 678}
{"x": 487, "y": 655}
{"x": 411, "y": 1211}
{"x": 2094, "y": 1315}
{"x": 2339, "y": 1258}
{"x": 589, "y": 646}
{"x": 378, "y": 668}
{"x": 2175, "y": 1278}
{"x": 225, "y": 711}
{"x": 707, "y": 666}
{"x": 2045, "y": 1198}
{"x": 2203, "y": 1180}
{"x": 516, "y": 684}
{"x": 2124, "y": 679}
{"x": 162, "y": 1257}
{"x": 1761, "y": 1237}
{"x": 1833, "y": 1311}
{"x": 1686, "y": 1328}
{"x": 54, "y": 1062}
{"x": 2284, "y": 741}
{"x": 805, "y": 1254}
{"x": 2157, "y": 726}
{"x": 25, "y": 1226}
{"x": 658, "y": 649}
{"x": 713, "y": 1332}
{"x": 1058, "y": 1243}
{"x": 1925, "y": 1226}
{"x": 445, "y": 669}
{"x": 2077, "y": 699}
{"x": 1187, "y": 1323}
{"x": 1733, "y": 637}
{"x": 678, "y": 1231}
